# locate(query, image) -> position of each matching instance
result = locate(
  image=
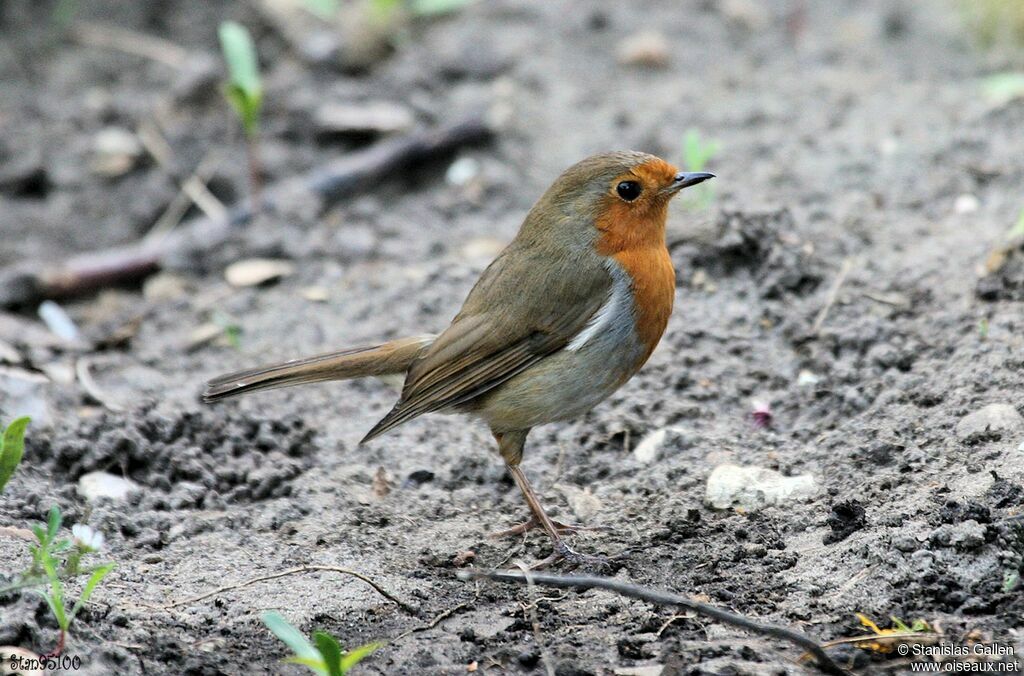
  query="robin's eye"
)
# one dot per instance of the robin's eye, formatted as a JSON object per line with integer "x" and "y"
{"x": 628, "y": 190}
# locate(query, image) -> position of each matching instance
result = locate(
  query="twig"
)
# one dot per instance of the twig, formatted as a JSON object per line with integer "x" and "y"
{"x": 82, "y": 371}
{"x": 534, "y": 622}
{"x": 293, "y": 571}
{"x": 879, "y": 638}
{"x": 824, "y": 662}
{"x": 31, "y": 281}
{"x": 191, "y": 190}
{"x": 438, "y": 619}
{"x": 832, "y": 294}
{"x": 130, "y": 42}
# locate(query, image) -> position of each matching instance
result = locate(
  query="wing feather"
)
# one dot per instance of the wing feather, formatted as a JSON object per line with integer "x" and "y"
{"x": 513, "y": 318}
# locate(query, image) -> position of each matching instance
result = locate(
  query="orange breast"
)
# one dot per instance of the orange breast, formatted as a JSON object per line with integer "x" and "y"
{"x": 636, "y": 240}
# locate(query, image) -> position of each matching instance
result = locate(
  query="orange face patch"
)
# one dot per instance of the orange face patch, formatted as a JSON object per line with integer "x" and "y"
{"x": 633, "y": 233}
{"x": 640, "y": 222}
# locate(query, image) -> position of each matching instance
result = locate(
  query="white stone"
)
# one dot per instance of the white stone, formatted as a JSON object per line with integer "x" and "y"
{"x": 807, "y": 378}
{"x": 256, "y": 271}
{"x": 582, "y": 502}
{"x": 462, "y": 171}
{"x": 994, "y": 419}
{"x": 752, "y": 488}
{"x": 650, "y": 446}
{"x": 966, "y": 204}
{"x": 96, "y": 485}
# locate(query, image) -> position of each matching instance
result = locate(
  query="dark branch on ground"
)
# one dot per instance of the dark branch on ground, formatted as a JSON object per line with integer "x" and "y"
{"x": 823, "y": 661}
{"x": 27, "y": 283}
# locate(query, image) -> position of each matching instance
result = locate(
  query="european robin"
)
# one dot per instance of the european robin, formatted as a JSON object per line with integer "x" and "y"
{"x": 565, "y": 315}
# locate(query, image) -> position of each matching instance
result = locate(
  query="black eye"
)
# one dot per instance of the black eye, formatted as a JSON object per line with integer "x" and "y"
{"x": 628, "y": 190}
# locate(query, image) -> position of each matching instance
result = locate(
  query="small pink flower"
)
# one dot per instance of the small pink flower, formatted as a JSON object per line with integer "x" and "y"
{"x": 762, "y": 414}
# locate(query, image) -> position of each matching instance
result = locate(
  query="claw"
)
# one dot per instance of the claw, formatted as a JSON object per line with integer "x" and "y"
{"x": 533, "y": 522}
{"x": 574, "y": 559}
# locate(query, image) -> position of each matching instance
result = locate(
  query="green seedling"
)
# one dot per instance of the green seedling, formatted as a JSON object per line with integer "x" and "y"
{"x": 1004, "y": 87}
{"x": 244, "y": 91}
{"x": 697, "y": 152}
{"x": 56, "y": 559}
{"x": 232, "y": 329}
{"x": 1015, "y": 231}
{"x": 994, "y": 21}
{"x": 428, "y": 8}
{"x": 12, "y": 448}
{"x": 325, "y": 9}
{"x": 325, "y": 658}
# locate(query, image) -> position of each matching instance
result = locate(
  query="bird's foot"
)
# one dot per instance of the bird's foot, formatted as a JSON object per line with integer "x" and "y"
{"x": 533, "y": 522}
{"x": 574, "y": 559}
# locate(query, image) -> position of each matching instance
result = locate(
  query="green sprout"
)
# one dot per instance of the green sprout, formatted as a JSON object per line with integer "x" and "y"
{"x": 12, "y": 448}
{"x": 232, "y": 329}
{"x": 697, "y": 152}
{"x": 244, "y": 92}
{"x": 1001, "y": 88}
{"x": 325, "y": 9}
{"x": 1015, "y": 231}
{"x": 57, "y": 559}
{"x": 994, "y": 21}
{"x": 428, "y": 8}
{"x": 326, "y": 658}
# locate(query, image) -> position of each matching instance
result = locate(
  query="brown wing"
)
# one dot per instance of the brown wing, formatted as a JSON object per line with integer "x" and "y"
{"x": 528, "y": 304}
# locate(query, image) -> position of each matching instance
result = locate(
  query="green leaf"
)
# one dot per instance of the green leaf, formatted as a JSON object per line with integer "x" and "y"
{"x": 1017, "y": 230}
{"x": 1003, "y": 87}
{"x": 317, "y": 665}
{"x": 55, "y": 599}
{"x": 40, "y": 533}
{"x": 53, "y": 523}
{"x": 244, "y": 92}
{"x": 291, "y": 636}
{"x": 12, "y": 448}
{"x": 357, "y": 655}
{"x": 325, "y": 9}
{"x": 331, "y": 652}
{"x": 240, "y": 54}
{"x": 437, "y": 7}
{"x": 90, "y": 586}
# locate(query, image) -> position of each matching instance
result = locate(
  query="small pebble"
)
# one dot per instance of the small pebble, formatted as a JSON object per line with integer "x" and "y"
{"x": 256, "y": 271}
{"x": 648, "y": 49}
{"x": 966, "y": 204}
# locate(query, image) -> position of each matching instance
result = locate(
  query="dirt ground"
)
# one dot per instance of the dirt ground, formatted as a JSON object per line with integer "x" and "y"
{"x": 861, "y": 172}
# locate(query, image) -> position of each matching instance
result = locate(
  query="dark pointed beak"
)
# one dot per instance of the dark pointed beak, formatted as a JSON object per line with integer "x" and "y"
{"x": 685, "y": 179}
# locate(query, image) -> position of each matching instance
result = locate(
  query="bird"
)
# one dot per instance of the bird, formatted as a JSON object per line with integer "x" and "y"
{"x": 568, "y": 312}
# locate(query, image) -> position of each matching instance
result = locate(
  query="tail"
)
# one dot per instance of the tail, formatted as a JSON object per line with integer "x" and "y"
{"x": 395, "y": 356}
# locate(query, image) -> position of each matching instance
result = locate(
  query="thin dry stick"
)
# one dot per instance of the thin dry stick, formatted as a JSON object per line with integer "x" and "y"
{"x": 438, "y": 619}
{"x": 824, "y": 662}
{"x": 832, "y": 294}
{"x": 83, "y": 371}
{"x": 130, "y": 42}
{"x": 534, "y": 622}
{"x": 192, "y": 190}
{"x": 294, "y": 571}
{"x": 28, "y": 282}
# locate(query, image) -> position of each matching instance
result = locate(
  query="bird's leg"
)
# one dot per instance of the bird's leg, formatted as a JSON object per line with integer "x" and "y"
{"x": 510, "y": 444}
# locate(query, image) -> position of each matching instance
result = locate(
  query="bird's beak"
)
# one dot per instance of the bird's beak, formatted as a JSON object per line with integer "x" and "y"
{"x": 685, "y": 179}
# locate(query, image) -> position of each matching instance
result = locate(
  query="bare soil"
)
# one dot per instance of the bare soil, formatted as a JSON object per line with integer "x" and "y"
{"x": 847, "y": 138}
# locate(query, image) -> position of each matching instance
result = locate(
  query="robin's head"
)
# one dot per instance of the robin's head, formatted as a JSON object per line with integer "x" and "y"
{"x": 621, "y": 197}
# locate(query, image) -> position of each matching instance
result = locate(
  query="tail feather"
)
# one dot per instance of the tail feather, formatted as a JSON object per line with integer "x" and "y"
{"x": 395, "y": 356}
